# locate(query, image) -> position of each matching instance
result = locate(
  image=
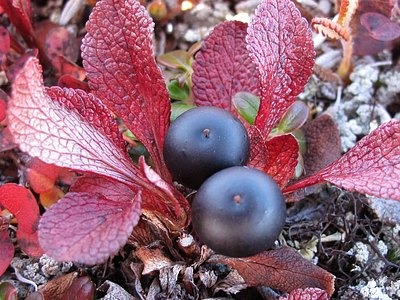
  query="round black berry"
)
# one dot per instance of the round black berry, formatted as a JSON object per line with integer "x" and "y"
{"x": 203, "y": 141}
{"x": 239, "y": 212}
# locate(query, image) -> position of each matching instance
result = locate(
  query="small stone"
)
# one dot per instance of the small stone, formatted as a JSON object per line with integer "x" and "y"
{"x": 386, "y": 210}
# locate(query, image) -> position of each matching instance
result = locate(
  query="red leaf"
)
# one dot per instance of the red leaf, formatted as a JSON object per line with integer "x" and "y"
{"x": 60, "y": 42}
{"x": 22, "y": 204}
{"x": 4, "y": 46}
{"x": 118, "y": 57}
{"x": 74, "y": 130}
{"x": 87, "y": 227}
{"x": 41, "y": 176}
{"x": 67, "y": 67}
{"x": 282, "y": 157}
{"x": 280, "y": 44}
{"x": 372, "y": 166}
{"x": 223, "y": 67}
{"x": 3, "y": 106}
{"x": 6, "y": 140}
{"x": 258, "y": 150}
{"x": 17, "y": 66}
{"x": 69, "y": 81}
{"x": 20, "y": 14}
{"x": 307, "y": 294}
{"x": 163, "y": 200}
{"x": 363, "y": 42}
{"x": 29, "y": 243}
{"x": 282, "y": 269}
{"x": 6, "y": 250}
{"x": 380, "y": 27}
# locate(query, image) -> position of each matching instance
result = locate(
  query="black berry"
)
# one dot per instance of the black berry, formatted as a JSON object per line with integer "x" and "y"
{"x": 239, "y": 212}
{"x": 203, "y": 141}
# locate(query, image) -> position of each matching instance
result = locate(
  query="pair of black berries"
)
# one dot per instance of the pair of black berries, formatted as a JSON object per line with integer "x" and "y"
{"x": 237, "y": 211}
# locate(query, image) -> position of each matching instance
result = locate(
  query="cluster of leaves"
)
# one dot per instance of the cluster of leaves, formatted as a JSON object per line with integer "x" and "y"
{"x": 272, "y": 57}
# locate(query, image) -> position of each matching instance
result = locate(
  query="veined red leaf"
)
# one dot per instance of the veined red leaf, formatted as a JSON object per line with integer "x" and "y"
{"x": 280, "y": 44}
{"x": 258, "y": 150}
{"x": 22, "y": 204}
{"x": 372, "y": 166}
{"x": 307, "y": 294}
{"x": 87, "y": 227}
{"x": 6, "y": 250}
{"x": 282, "y": 157}
{"x": 223, "y": 67}
{"x": 68, "y": 128}
{"x": 20, "y": 14}
{"x": 282, "y": 269}
{"x": 118, "y": 57}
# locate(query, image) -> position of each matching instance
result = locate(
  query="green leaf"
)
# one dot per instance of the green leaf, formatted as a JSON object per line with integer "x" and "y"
{"x": 301, "y": 139}
{"x": 247, "y": 105}
{"x": 179, "y": 108}
{"x": 294, "y": 118}
{"x": 178, "y": 92}
{"x": 177, "y": 59}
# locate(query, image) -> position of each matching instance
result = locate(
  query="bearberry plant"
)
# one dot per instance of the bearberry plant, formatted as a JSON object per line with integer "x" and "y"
{"x": 272, "y": 58}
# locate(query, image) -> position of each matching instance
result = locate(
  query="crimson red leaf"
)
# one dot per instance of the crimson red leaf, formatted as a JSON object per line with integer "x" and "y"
{"x": 282, "y": 157}
{"x": 282, "y": 269}
{"x": 118, "y": 57}
{"x": 70, "y": 81}
{"x": 223, "y": 67}
{"x": 22, "y": 204}
{"x": 372, "y": 166}
{"x": 258, "y": 150}
{"x": 380, "y": 27}
{"x": 20, "y": 14}
{"x": 88, "y": 227}
{"x": 6, "y": 250}
{"x": 3, "y": 105}
{"x": 67, "y": 67}
{"x": 307, "y": 294}
{"x": 4, "y": 45}
{"x": 73, "y": 129}
{"x": 280, "y": 44}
